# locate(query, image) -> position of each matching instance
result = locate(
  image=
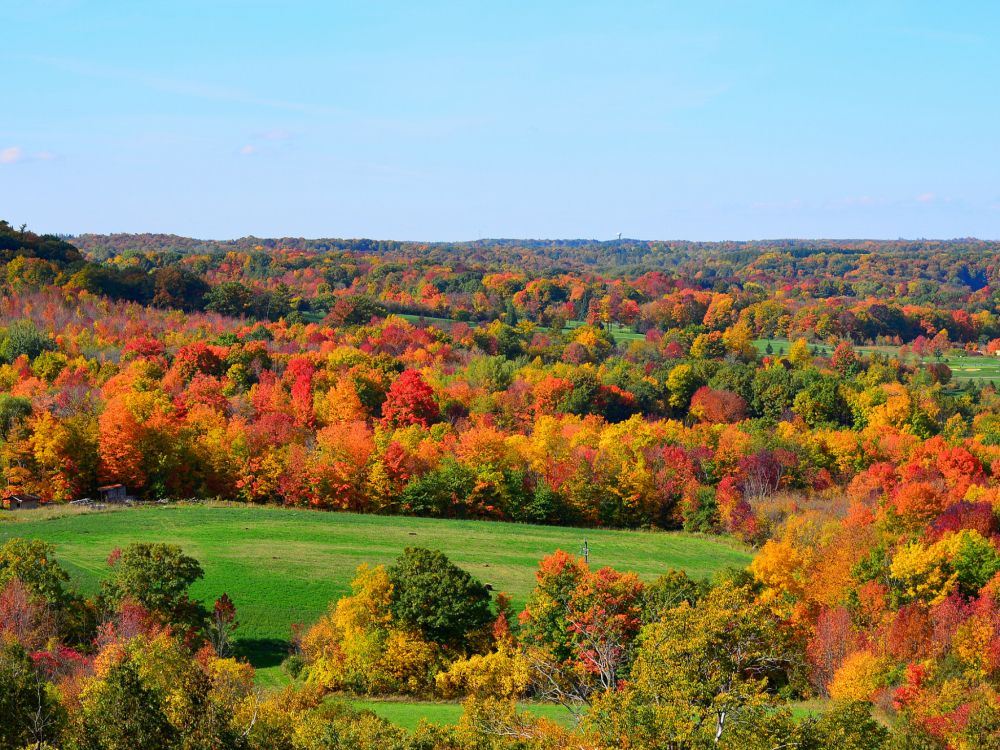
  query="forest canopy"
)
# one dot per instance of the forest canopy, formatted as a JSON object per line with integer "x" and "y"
{"x": 832, "y": 404}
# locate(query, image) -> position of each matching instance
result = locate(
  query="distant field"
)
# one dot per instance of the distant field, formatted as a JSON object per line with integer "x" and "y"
{"x": 283, "y": 566}
{"x": 973, "y": 368}
{"x": 621, "y": 333}
{"x": 432, "y": 321}
{"x": 408, "y": 714}
{"x": 963, "y": 366}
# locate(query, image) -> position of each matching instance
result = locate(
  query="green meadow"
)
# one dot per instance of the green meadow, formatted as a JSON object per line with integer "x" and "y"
{"x": 284, "y": 566}
{"x": 408, "y": 714}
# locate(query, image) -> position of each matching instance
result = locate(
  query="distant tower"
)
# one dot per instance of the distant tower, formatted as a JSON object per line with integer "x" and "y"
{"x": 619, "y": 236}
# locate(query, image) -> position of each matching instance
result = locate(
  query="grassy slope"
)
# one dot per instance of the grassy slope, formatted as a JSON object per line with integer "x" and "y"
{"x": 283, "y": 566}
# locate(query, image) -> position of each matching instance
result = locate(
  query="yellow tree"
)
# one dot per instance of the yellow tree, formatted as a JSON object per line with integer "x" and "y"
{"x": 700, "y": 672}
{"x": 798, "y": 353}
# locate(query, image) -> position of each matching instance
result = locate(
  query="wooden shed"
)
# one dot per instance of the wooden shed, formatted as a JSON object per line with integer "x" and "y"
{"x": 21, "y": 501}
{"x": 113, "y": 493}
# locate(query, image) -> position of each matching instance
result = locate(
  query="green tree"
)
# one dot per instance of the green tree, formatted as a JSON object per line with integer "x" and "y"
{"x": 699, "y": 672}
{"x": 847, "y": 726}
{"x": 121, "y": 712}
{"x": 158, "y": 577}
{"x": 821, "y": 403}
{"x": 682, "y": 382}
{"x": 439, "y": 491}
{"x": 708, "y": 346}
{"x": 29, "y": 712}
{"x": 230, "y": 298}
{"x": 975, "y": 562}
{"x": 33, "y": 563}
{"x": 436, "y": 597}
{"x": 494, "y": 373}
{"x": 13, "y": 411}
{"x": 771, "y": 393}
{"x": 361, "y": 309}
{"x": 23, "y": 244}
{"x": 582, "y": 397}
{"x": 669, "y": 591}
{"x": 510, "y": 344}
{"x": 178, "y": 287}
{"x": 22, "y": 337}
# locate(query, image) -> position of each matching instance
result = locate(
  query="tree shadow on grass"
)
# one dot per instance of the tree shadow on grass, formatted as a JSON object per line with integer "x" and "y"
{"x": 262, "y": 652}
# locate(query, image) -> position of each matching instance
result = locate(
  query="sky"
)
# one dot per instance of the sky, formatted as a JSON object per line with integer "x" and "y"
{"x": 461, "y": 120}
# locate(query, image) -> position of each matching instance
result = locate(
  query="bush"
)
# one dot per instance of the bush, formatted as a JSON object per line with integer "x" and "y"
{"x": 293, "y": 666}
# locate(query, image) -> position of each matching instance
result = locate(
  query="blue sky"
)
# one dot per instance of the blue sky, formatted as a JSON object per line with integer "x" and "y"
{"x": 446, "y": 121}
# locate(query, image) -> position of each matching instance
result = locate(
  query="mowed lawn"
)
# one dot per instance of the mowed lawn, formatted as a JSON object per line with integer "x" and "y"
{"x": 284, "y": 566}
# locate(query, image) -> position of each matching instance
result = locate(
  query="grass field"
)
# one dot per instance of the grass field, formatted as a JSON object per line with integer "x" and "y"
{"x": 408, "y": 714}
{"x": 432, "y": 321}
{"x": 815, "y": 707}
{"x": 963, "y": 366}
{"x": 284, "y": 566}
{"x": 621, "y": 333}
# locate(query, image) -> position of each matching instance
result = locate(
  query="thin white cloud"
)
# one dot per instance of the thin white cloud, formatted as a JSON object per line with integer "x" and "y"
{"x": 278, "y": 134}
{"x": 248, "y": 149}
{"x": 14, "y": 154}
{"x": 11, "y": 154}
{"x": 926, "y": 198}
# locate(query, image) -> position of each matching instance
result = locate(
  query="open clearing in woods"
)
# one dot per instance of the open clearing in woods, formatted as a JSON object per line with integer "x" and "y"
{"x": 283, "y": 566}
{"x": 964, "y": 366}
